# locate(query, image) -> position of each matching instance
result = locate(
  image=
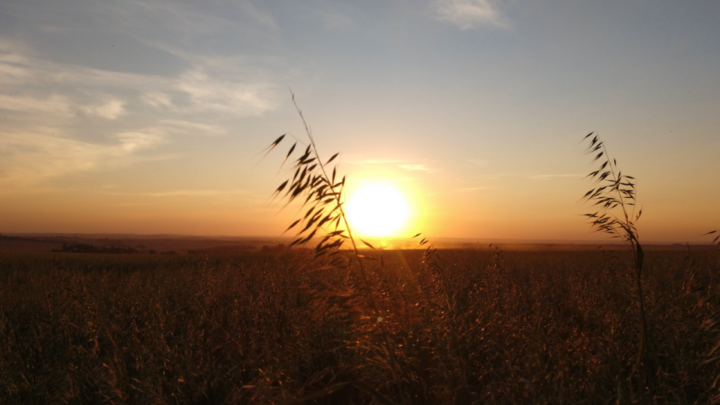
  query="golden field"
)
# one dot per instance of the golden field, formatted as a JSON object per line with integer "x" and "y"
{"x": 484, "y": 327}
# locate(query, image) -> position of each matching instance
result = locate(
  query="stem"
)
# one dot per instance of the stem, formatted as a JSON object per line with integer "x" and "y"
{"x": 642, "y": 314}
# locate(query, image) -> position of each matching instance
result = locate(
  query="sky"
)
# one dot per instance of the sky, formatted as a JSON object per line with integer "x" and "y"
{"x": 148, "y": 116}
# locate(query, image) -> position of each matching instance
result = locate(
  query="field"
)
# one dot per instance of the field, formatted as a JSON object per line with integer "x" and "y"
{"x": 556, "y": 327}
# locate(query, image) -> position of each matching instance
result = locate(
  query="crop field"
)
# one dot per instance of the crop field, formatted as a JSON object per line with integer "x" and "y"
{"x": 280, "y": 327}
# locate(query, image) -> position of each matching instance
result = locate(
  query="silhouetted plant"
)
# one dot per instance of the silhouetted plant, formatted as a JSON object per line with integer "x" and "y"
{"x": 614, "y": 196}
{"x": 323, "y": 199}
{"x": 323, "y": 196}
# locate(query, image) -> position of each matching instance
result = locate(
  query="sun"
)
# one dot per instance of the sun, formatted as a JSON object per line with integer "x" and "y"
{"x": 377, "y": 209}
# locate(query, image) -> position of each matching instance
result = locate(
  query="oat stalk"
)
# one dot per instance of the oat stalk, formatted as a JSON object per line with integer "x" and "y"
{"x": 323, "y": 200}
{"x": 614, "y": 195}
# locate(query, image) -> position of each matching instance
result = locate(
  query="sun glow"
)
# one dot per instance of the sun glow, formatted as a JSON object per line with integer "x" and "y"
{"x": 377, "y": 210}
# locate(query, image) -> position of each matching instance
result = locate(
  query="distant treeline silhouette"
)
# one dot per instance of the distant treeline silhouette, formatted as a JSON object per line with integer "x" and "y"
{"x": 27, "y": 239}
{"x": 224, "y": 249}
{"x": 86, "y": 248}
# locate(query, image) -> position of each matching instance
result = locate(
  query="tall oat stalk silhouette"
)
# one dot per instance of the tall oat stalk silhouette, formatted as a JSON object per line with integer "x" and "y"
{"x": 614, "y": 197}
{"x": 323, "y": 196}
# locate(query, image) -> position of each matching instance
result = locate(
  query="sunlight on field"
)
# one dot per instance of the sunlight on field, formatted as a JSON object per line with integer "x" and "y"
{"x": 377, "y": 209}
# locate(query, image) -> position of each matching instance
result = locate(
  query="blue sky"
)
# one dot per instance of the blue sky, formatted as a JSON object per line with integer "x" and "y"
{"x": 146, "y": 117}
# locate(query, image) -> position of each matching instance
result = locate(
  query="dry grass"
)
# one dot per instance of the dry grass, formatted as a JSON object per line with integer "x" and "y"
{"x": 530, "y": 327}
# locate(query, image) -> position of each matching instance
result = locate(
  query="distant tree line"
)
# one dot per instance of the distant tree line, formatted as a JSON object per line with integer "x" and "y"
{"x": 86, "y": 248}
{"x": 223, "y": 249}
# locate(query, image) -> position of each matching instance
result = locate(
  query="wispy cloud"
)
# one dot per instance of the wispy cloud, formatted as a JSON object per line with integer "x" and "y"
{"x": 229, "y": 98}
{"x": 45, "y": 105}
{"x": 391, "y": 163}
{"x": 52, "y": 104}
{"x": 374, "y": 162}
{"x": 62, "y": 89}
{"x": 110, "y": 109}
{"x": 182, "y": 193}
{"x": 193, "y": 128}
{"x": 415, "y": 167}
{"x": 33, "y": 155}
{"x": 469, "y": 14}
{"x": 553, "y": 176}
{"x": 57, "y": 105}
{"x": 258, "y": 16}
{"x": 157, "y": 99}
{"x": 134, "y": 140}
{"x": 402, "y": 164}
{"x": 11, "y": 69}
{"x": 30, "y": 84}
{"x": 395, "y": 180}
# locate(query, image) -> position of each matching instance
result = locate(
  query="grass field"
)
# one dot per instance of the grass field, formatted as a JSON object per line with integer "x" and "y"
{"x": 492, "y": 327}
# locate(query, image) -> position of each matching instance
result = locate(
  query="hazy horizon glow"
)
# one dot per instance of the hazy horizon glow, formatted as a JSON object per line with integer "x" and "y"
{"x": 147, "y": 117}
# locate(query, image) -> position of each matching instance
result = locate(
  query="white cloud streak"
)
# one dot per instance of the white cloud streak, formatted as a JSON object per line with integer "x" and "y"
{"x": 469, "y": 14}
{"x": 381, "y": 162}
{"x": 28, "y": 84}
{"x": 134, "y": 140}
{"x": 402, "y": 164}
{"x": 228, "y": 98}
{"x": 111, "y": 109}
{"x": 53, "y": 104}
{"x": 554, "y": 176}
{"x": 193, "y": 128}
{"x": 182, "y": 193}
{"x": 157, "y": 99}
{"x": 415, "y": 167}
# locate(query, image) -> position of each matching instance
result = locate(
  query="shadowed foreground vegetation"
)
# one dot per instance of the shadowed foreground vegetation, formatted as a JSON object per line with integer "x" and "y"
{"x": 520, "y": 327}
